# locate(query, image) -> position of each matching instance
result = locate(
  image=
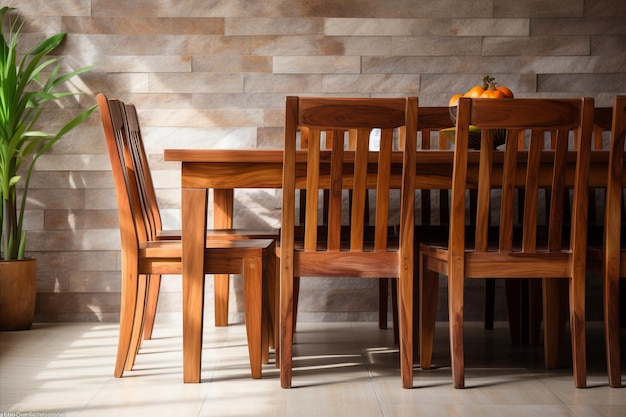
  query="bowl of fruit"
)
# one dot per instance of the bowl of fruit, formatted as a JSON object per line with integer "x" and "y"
{"x": 488, "y": 89}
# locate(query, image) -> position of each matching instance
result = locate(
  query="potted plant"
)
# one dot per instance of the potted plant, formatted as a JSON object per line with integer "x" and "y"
{"x": 25, "y": 85}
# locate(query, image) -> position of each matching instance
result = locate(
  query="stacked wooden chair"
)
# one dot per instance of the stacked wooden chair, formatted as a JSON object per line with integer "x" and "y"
{"x": 148, "y": 252}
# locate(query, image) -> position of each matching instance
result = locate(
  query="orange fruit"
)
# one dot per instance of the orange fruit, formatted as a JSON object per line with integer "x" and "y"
{"x": 475, "y": 91}
{"x": 506, "y": 91}
{"x": 492, "y": 94}
{"x": 454, "y": 100}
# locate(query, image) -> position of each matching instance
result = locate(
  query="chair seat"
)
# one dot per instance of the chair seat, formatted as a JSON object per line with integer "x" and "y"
{"x": 229, "y": 234}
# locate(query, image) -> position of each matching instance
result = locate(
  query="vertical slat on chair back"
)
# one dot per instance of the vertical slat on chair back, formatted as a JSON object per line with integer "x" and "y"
{"x": 571, "y": 121}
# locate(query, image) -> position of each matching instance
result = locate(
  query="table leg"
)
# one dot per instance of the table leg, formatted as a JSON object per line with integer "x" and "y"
{"x": 222, "y": 219}
{"x": 193, "y": 215}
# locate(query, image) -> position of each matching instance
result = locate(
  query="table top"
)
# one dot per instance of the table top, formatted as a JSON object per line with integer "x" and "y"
{"x": 262, "y": 168}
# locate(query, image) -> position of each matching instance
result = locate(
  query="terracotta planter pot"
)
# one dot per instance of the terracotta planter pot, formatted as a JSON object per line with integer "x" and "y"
{"x": 17, "y": 294}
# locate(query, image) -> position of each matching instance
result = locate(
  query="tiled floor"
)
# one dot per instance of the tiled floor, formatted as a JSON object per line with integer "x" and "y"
{"x": 343, "y": 369}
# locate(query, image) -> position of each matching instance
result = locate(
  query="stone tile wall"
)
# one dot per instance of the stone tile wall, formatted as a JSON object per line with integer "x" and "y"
{"x": 214, "y": 74}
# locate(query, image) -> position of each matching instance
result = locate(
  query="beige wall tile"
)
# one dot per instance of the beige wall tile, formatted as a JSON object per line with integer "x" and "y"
{"x": 80, "y": 219}
{"x": 538, "y": 8}
{"x": 371, "y": 84}
{"x": 537, "y": 45}
{"x": 317, "y": 65}
{"x": 227, "y": 63}
{"x": 441, "y": 46}
{"x": 275, "y": 26}
{"x": 47, "y": 8}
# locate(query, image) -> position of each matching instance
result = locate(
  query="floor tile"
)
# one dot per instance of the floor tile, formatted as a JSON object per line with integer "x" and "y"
{"x": 340, "y": 369}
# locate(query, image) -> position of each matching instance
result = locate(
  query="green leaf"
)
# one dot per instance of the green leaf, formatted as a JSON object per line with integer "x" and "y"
{"x": 25, "y": 85}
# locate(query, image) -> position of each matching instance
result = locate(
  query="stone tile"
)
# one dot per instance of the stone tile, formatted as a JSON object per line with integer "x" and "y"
{"x": 440, "y": 46}
{"x": 157, "y": 63}
{"x": 371, "y": 83}
{"x": 75, "y": 240}
{"x": 93, "y": 303}
{"x": 100, "y": 199}
{"x": 610, "y": 25}
{"x": 282, "y": 83}
{"x": 609, "y": 45}
{"x": 226, "y": 63}
{"x": 80, "y": 219}
{"x": 219, "y": 45}
{"x": 317, "y": 65}
{"x": 196, "y": 82}
{"x": 107, "y": 260}
{"x": 296, "y": 45}
{"x": 581, "y": 83}
{"x": 204, "y": 118}
{"x": 605, "y": 8}
{"x": 59, "y": 8}
{"x": 56, "y": 198}
{"x": 84, "y": 162}
{"x": 367, "y": 45}
{"x": 539, "y": 45}
{"x": 239, "y": 101}
{"x": 538, "y": 8}
{"x": 86, "y": 45}
{"x": 273, "y": 26}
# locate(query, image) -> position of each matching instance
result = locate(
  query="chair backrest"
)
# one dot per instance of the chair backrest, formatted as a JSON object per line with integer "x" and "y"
{"x": 338, "y": 168}
{"x": 126, "y": 168}
{"x": 615, "y": 189}
{"x": 152, "y": 214}
{"x": 570, "y": 121}
{"x": 431, "y": 121}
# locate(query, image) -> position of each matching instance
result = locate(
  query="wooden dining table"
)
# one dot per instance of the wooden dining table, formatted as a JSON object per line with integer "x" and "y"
{"x": 224, "y": 171}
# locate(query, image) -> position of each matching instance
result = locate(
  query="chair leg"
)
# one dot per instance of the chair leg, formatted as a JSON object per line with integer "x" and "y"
{"x": 554, "y": 317}
{"x": 405, "y": 314}
{"x": 428, "y": 292}
{"x": 535, "y": 315}
{"x": 490, "y": 296}
{"x": 612, "y": 328}
{"x": 287, "y": 309}
{"x": 127, "y": 315}
{"x": 272, "y": 297}
{"x": 296, "y": 297}
{"x": 455, "y": 307}
{"x": 577, "y": 326}
{"x": 140, "y": 308}
{"x": 253, "y": 311}
{"x": 221, "y": 288}
{"x": 514, "y": 295}
{"x": 154, "y": 286}
{"x": 383, "y": 297}
{"x": 394, "y": 310}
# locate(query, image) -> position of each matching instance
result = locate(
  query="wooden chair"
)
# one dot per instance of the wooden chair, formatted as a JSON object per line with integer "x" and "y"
{"x": 609, "y": 258}
{"x": 146, "y": 187}
{"x": 336, "y": 170}
{"x": 538, "y": 253}
{"x": 144, "y": 256}
{"x": 431, "y": 121}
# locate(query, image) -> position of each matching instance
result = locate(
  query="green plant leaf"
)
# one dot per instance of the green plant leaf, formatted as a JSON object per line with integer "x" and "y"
{"x": 25, "y": 85}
